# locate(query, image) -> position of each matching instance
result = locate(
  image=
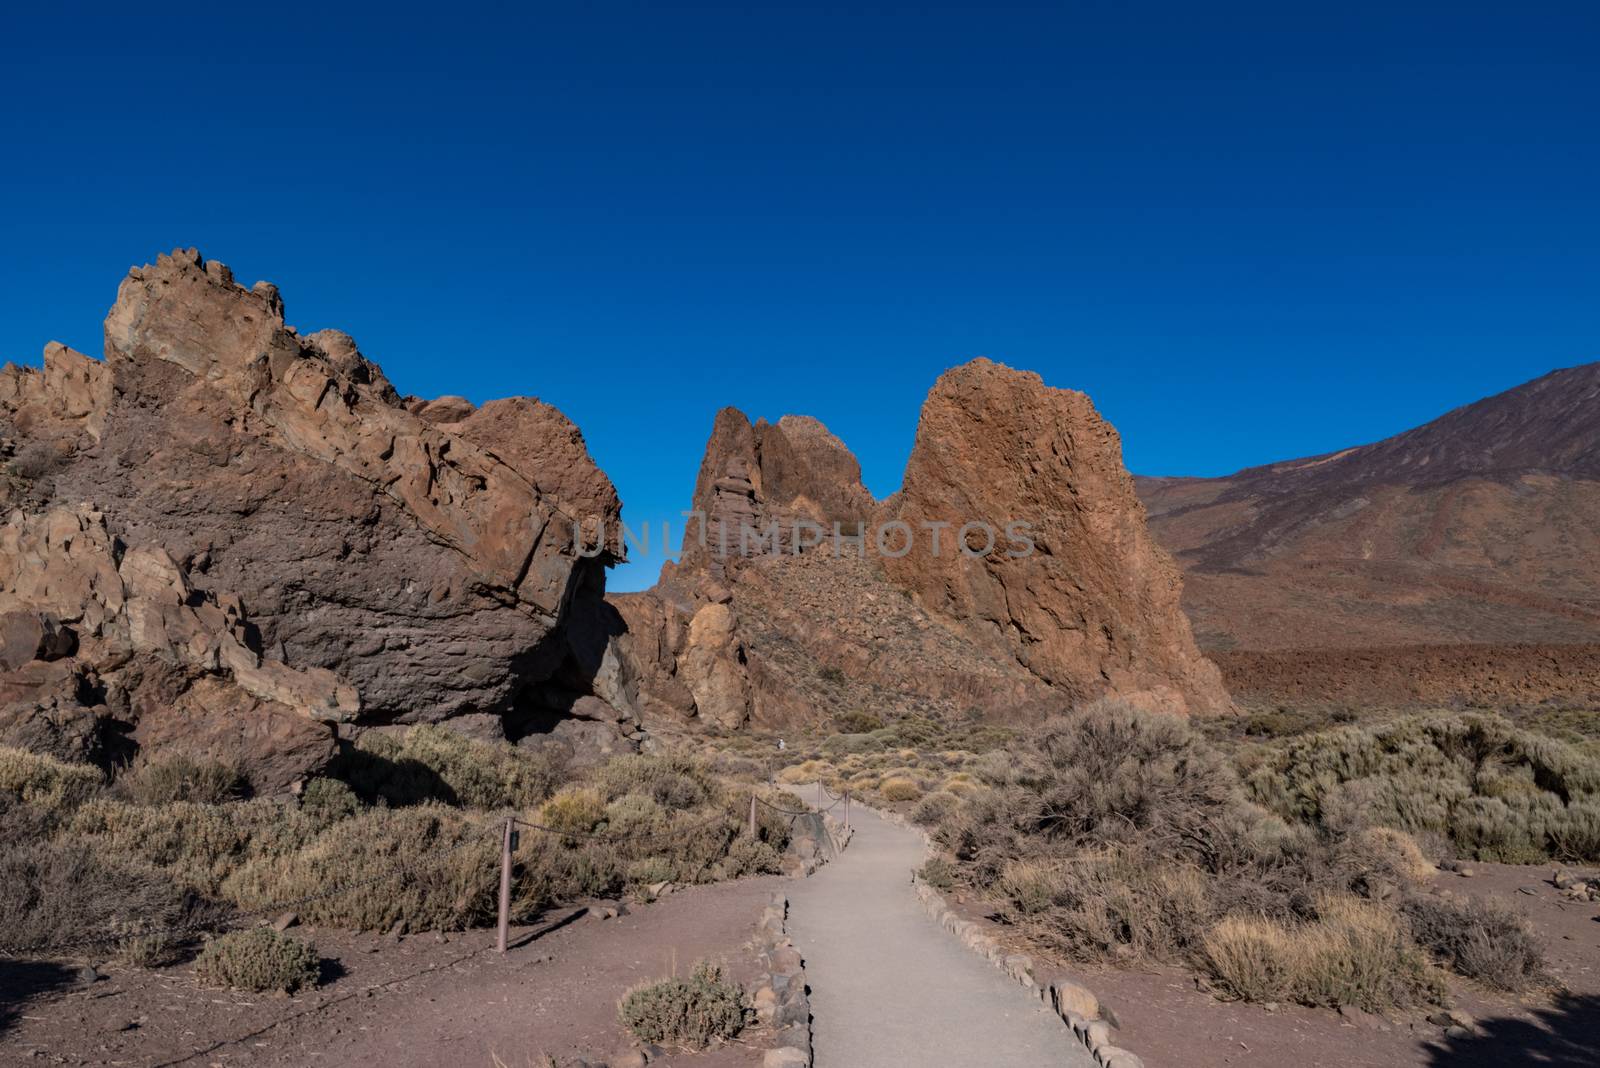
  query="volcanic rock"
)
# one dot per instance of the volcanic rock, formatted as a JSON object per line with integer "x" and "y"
{"x": 262, "y": 513}
{"x": 1085, "y": 599}
{"x": 788, "y": 607}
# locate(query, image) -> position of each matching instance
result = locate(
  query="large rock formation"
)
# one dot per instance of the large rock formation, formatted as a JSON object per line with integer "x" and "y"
{"x": 249, "y": 533}
{"x": 1045, "y": 552}
{"x": 1011, "y": 575}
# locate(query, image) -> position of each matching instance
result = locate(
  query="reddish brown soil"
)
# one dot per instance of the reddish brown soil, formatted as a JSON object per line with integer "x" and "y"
{"x": 416, "y": 1002}
{"x": 1421, "y": 675}
{"x": 1169, "y": 1022}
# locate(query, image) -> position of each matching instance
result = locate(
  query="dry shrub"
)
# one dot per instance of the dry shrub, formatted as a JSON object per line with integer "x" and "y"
{"x": 1495, "y": 791}
{"x": 184, "y": 778}
{"x": 1487, "y": 940}
{"x": 197, "y": 845}
{"x": 431, "y": 763}
{"x": 327, "y": 801}
{"x": 1353, "y": 953}
{"x": 674, "y": 782}
{"x": 1251, "y": 958}
{"x": 258, "y": 960}
{"x": 53, "y": 893}
{"x": 446, "y": 864}
{"x": 1112, "y": 834}
{"x": 1109, "y": 904}
{"x": 898, "y": 788}
{"x": 575, "y": 810}
{"x": 44, "y": 781}
{"x": 934, "y": 809}
{"x": 691, "y": 1012}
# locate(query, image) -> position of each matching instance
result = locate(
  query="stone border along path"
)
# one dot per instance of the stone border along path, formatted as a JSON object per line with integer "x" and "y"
{"x": 889, "y": 990}
{"x": 783, "y": 1001}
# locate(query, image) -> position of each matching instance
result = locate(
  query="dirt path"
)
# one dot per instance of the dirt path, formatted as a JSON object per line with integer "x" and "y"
{"x": 889, "y": 988}
{"x": 419, "y": 1003}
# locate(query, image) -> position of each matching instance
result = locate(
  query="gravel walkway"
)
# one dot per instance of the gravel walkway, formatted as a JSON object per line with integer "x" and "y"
{"x": 889, "y": 988}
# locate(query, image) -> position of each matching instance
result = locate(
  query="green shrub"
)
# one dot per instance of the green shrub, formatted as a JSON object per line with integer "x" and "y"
{"x": 676, "y": 783}
{"x": 691, "y": 1012}
{"x": 750, "y": 856}
{"x": 45, "y": 782}
{"x": 258, "y": 960}
{"x": 184, "y": 778}
{"x": 838, "y": 745}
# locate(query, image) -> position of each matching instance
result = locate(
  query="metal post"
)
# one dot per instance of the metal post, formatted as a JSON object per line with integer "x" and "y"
{"x": 505, "y": 887}
{"x": 752, "y": 814}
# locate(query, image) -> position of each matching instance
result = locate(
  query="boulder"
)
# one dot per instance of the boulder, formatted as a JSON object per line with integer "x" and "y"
{"x": 262, "y": 513}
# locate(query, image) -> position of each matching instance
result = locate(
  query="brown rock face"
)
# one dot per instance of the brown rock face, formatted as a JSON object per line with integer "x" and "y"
{"x": 261, "y": 510}
{"x": 1083, "y": 597}
{"x": 757, "y": 484}
{"x": 781, "y": 612}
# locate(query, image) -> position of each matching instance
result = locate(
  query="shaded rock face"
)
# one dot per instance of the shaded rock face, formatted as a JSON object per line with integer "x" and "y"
{"x": 261, "y": 511}
{"x": 776, "y": 616}
{"x": 1091, "y": 606}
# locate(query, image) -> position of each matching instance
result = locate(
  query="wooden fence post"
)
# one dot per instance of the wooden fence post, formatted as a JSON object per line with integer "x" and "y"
{"x": 752, "y": 814}
{"x": 847, "y": 810}
{"x": 505, "y": 887}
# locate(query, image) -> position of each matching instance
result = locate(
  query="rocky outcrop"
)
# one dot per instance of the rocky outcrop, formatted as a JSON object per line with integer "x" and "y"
{"x": 761, "y": 486}
{"x": 261, "y": 511}
{"x": 1078, "y": 593}
{"x": 1012, "y": 574}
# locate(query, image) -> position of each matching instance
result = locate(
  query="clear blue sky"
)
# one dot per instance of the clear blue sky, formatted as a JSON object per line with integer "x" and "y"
{"x": 1248, "y": 231}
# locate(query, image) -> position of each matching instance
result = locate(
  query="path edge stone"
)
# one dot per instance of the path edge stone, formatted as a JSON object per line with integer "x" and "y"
{"x": 1073, "y": 1002}
{"x": 788, "y": 1007}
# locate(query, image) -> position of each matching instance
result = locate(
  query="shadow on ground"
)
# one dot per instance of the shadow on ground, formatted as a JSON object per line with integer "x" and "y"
{"x": 21, "y": 981}
{"x": 1564, "y": 1035}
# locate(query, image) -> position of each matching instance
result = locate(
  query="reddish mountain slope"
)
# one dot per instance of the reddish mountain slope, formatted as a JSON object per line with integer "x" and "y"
{"x": 1481, "y": 527}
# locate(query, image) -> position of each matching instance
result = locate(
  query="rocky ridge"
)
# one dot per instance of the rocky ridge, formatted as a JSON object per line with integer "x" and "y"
{"x": 799, "y": 596}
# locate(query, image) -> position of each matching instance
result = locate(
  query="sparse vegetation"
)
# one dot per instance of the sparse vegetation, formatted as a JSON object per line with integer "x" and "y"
{"x": 185, "y": 847}
{"x": 52, "y": 892}
{"x": 1110, "y": 834}
{"x": 1486, "y": 940}
{"x": 258, "y": 960}
{"x": 1494, "y": 791}
{"x": 183, "y": 778}
{"x": 692, "y": 1012}
{"x": 43, "y": 782}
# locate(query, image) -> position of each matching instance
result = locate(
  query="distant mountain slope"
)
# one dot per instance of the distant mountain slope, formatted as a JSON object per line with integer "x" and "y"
{"x": 1482, "y": 526}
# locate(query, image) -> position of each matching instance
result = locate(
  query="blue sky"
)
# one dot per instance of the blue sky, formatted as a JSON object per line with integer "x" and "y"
{"x": 1250, "y": 232}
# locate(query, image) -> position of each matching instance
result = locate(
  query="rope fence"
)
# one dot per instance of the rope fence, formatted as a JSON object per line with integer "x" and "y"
{"x": 506, "y": 828}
